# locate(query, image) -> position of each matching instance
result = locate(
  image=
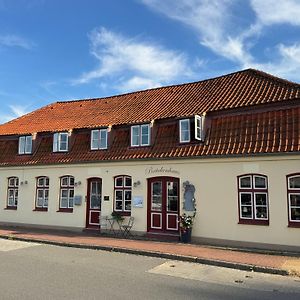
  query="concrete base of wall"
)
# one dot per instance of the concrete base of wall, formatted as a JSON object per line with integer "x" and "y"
{"x": 245, "y": 245}
{"x": 43, "y": 227}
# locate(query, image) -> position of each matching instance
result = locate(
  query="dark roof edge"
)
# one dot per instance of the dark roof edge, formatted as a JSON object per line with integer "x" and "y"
{"x": 227, "y": 156}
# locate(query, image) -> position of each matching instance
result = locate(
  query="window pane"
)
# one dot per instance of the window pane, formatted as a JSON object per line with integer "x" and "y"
{"x": 119, "y": 205}
{"x": 28, "y": 146}
{"x": 119, "y": 195}
{"x": 245, "y": 182}
{"x": 135, "y": 135}
{"x": 261, "y": 213}
{"x": 63, "y": 142}
{"x": 295, "y": 200}
{"x": 103, "y": 139}
{"x": 184, "y": 125}
{"x": 11, "y": 182}
{"x": 128, "y": 205}
{"x": 294, "y": 182}
{"x": 246, "y": 212}
{"x": 295, "y": 214}
{"x": 64, "y": 202}
{"x": 128, "y": 181}
{"x": 260, "y": 182}
{"x": 119, "y": 181}
{"x": 64, "y": 193}
{"x": 95, "y": 139}
{"x": 156, "y": 196}
{"x": 145, "y": 134}
{"x": 246, "y": 199}
{"x": 127, "y": 195}
{"x": 184, "y": 130}
{"x": 55, "y": 142}
{"x": 21, "y": 145}
{"x": 41, "y": 181}
{"x": 64, "y": 181}
{"x": 261, "y": 199}
{"x": 71, "y": 196}
{"x": 172, "y": 190}
{"x": 46, "y": 181}
{"x": 71, "y": 181}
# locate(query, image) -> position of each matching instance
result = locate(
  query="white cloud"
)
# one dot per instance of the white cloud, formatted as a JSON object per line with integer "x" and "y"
{"x": 135, "y": 62}
{"x": 10, "y": 40}
{"x": 15, "y": 112}
{"x": 275, "y": 11}
{"x": 212, "y": 21}
{"x": 287, "y": 65}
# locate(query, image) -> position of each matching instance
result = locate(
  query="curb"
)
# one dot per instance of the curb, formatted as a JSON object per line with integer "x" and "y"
{"x": 211, "y": 262}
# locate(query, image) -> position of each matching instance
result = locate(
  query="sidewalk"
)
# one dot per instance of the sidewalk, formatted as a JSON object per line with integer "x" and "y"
{"x": 243, "y": 260}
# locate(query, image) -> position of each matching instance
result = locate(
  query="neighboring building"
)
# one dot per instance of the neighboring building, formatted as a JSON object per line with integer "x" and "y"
{"x": 231, "y": 143}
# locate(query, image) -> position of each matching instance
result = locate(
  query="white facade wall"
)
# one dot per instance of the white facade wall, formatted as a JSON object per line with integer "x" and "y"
{"x": 216, "y": 195}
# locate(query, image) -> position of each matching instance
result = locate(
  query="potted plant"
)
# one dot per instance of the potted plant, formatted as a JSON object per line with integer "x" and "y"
{"x": 186, "y": 224}
{"x": 117, "y": 216}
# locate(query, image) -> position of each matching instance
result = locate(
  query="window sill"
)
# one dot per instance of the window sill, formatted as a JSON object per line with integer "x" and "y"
{"x": 123, "y": 213}
{"x": 11, "y": 208}
{"x": 66, "y": 210}
{"x": 294, "y": 224}
{"x": 254, "y": 222}
{"x": 40, "y": 209}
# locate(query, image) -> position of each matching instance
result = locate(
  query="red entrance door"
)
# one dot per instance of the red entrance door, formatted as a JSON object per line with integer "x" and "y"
{"x": 163, "y": 205}
{"x": 93, "y": 205}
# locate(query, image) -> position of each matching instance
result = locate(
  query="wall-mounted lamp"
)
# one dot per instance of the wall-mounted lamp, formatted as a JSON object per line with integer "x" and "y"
{"x": 24, "y": 182}
{"x": 137, "y": 183}
{"x": 77, "y": 183}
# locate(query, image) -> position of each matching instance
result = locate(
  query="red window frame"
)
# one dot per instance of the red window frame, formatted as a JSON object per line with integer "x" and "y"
{"x": 69, "y": 188}
{"x": 12, "y": 185}
{"x": 123, "y": 189}
{"x": 292, "y": 191}
{"x": 252, "y": 190}
{"x": 44, "y": 187}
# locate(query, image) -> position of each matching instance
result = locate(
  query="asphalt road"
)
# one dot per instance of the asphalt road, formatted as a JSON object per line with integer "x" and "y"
{"x": 33, "y": 271}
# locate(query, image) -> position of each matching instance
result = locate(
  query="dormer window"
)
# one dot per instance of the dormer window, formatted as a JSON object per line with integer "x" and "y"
{"x": 60, "y": 142}
{"x": 99, "y": 139}
{"x": 25, "y": 144}
{"x": 184, "y": 131}
{"x": 140, "y": 135}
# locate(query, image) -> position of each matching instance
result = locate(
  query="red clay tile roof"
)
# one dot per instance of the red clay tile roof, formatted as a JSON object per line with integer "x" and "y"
{"x": 248, "y": 134}
{"x": 241, "y": 89}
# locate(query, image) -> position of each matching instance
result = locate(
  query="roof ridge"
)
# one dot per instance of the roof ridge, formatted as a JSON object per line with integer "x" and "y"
{"x": 273, "y": 77}
{"x": 163, "y": 87}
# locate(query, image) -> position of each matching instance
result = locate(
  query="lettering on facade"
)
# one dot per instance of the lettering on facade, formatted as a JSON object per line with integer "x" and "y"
{"x": 161, "y": 170}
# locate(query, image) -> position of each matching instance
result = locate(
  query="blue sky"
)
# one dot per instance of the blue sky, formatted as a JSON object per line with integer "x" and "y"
{"x": 53, "y": 50}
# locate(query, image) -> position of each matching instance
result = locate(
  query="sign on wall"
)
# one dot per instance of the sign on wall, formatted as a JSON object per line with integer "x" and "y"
{"x": 138, "y": 201}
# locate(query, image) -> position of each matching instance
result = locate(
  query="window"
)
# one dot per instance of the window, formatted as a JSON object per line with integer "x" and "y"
{"x": 25, "y": 144}
{"x": 198, "y": 128}
{"x": 140, "y": 135}
{"x": 293, "y": 182}
{"x": 184, "y": 129}
{"x": 253, "y": 199}
{"x": 123, "y": 193}
{"x": 66, "y": 193}
{"x": 60, "y": 142}
{"x": 12, "y": 192}
{"x": 42, "y": 193}
{"x": 99, "y": 139}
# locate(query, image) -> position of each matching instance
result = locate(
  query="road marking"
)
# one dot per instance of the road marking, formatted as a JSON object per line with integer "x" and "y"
{"x": 226, "y": 276}
{"x": 8, "y": 245}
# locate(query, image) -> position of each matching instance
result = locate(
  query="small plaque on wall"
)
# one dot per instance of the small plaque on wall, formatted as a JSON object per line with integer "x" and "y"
{"x": 106, "y": 198}
{"x": 77, "y": 200}
{"x": 138, "y": 201}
